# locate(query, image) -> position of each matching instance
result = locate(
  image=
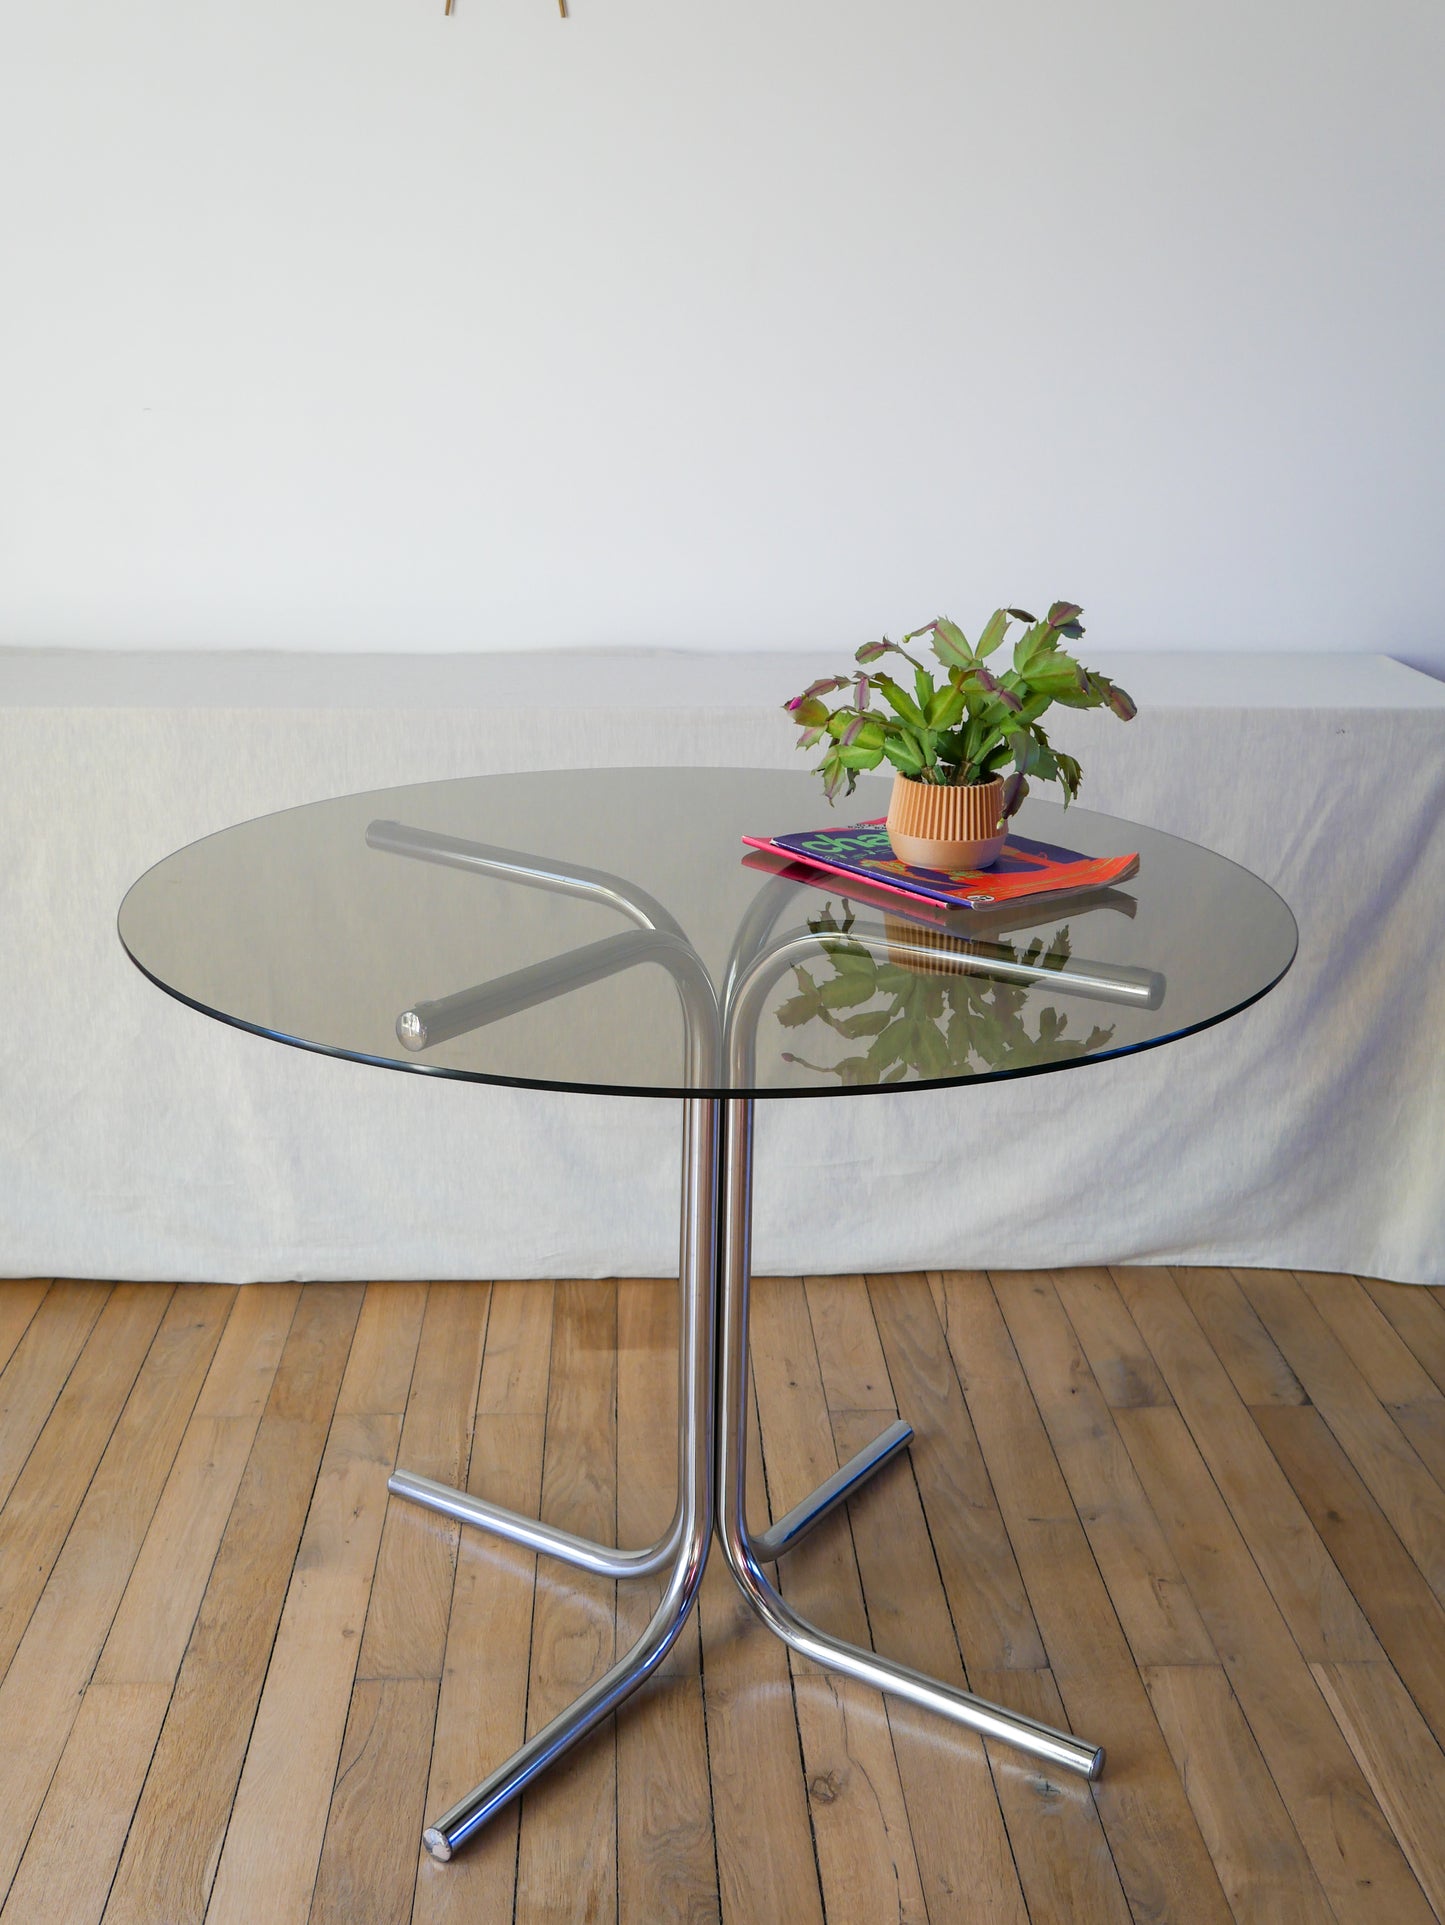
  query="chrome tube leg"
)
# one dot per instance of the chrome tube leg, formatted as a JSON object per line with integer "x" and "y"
{"x": 1054, "y": 1748}
{"x": 606, "y": 1560}
{"x": 583, "y": 1552}
{"x": 699, "y": 1193}
{"x": 772, "y": 1544}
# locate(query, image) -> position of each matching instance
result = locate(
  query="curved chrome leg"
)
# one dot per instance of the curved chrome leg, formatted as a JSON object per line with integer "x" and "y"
{"x": 769, "y": 1545}
{"x": 537, "y": 1536}
{"x": 703, "y": 1119}
{"x": 1056, "y": 1748}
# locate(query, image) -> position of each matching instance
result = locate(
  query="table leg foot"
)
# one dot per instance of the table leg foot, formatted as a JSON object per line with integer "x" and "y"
{"x": 687, "y": 1542}
{"x": 1056, "y": 1749}
{"x": 772, "y": 1544}
{"x": 467, "y": 1817}
{"x": 605, "y": 1559}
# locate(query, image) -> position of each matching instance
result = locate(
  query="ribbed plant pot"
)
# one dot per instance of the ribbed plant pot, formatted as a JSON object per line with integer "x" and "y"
{"x": 953, "y": 829}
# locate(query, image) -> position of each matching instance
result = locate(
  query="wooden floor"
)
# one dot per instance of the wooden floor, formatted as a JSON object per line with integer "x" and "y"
{"x": 1197, "y": 1515}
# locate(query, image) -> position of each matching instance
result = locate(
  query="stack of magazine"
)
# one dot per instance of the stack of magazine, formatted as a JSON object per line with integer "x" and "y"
{"x": 1025, "y": 869}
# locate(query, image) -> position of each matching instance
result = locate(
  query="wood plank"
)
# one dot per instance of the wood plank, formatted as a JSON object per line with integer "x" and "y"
{"x": 866, "y": 1859}
{"x": 1241, "y": 1342}
{"x": 383, "y": 1357}
{"x": 273, "y": 1842}
{"x": 240, "y": 1379}
{"x": 368, "y": 1870}
{"x": 666, "y": 1866}
{"x": 1262, "y": 1865}
{"x": 70, "y": 1859}
{"x": 567, "y": 1850}
{"x": 1404, "y": 1489}
{"x": 482, "y": 1708}
{"x": 517, "y": 1368}
{"x": 1161, "y": 1857}
{"x": 959, "y": 1839}
{"x": 764, "y": 1841}
{"x": 1408, "y": 1618}
{"x": 1359, "y": 1865}
{"x": 158, "y": 1611}
{"x": 1417, "y": 1313}
{"x": 1386, "y": 1362}
{"x": 37, "y": 1370}
{"x": 278, "y": 1822}
{"x": 53, "y": 1664}
{"x": 1378, "y": 1351}
{"x": 855, "y": 1376}
{"x": 964, "y": 1859}
{"x": 20, "y": 1298}
{"x": 1143, "y": 1580}
{"x": 1322, "y": 1615}
{"x": 1068, "y": 1871}
{"x": 77, "y": 1841}
{"x": 1402, "y": 1761}
{"x": 991, "y": 1611}
{"x": 406, "y": 1621}
{"x": 175, "y": 1840}
{"x": 49, "y": 1490}
{"x": 1123, "y": 1365}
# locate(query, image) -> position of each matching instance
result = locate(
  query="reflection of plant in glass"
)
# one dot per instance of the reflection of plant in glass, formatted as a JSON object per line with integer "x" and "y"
{"x": 934, "y": 1025}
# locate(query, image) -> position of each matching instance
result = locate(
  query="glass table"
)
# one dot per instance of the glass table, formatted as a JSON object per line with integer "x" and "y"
{"x": 605, "y": 930}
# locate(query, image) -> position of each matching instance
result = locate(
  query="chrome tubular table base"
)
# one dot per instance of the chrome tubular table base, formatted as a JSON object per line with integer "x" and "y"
{"x": 712, "y": 1403}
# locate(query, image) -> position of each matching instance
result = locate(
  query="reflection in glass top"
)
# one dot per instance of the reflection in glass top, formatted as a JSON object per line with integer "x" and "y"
{"x": 909, "y": 1023}
{"x": 606, "y": 929}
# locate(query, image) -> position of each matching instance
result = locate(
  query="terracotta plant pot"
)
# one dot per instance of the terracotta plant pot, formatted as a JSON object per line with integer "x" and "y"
{"x": 953, "y": 829}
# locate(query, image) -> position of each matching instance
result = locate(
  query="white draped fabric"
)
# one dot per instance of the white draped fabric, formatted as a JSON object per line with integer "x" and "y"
{"x": 139, "y": 1139}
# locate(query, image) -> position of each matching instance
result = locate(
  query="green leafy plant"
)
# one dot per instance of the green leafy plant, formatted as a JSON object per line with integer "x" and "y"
{"x": 928, "y": 1026}
{"x": 967, "y": 725}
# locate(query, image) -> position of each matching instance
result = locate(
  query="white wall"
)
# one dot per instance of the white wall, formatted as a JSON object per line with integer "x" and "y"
{"x": 338, "y": 323}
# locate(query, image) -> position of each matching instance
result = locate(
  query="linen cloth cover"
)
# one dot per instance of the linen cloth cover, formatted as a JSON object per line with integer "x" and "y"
{"x": 139, "y": 1139}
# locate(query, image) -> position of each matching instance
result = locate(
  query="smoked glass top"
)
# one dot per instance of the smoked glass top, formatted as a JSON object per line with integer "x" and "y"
{"x": 606, "y": 930}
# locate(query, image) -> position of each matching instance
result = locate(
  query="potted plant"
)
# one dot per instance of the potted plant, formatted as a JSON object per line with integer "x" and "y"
{"x": 963, "y": 746}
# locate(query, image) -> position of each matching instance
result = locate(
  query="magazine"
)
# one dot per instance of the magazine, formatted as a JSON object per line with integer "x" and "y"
{"x": 1025, "y": 868}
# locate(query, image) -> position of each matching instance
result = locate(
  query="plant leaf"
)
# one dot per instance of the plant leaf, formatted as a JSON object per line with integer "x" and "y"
{"x": 945, "y": 707}
{"x": 995, "y": 628}
{"x": 904, "y": 753}
{"x": 1060, "y": 676}
{"x": 1014, "y": 790}
{"x": 823, "y": 686}
{"x": 901, "y": 703}
{"x": 858, "y": 755}
{"x": 1032, "y": 646}
{"x": 950, "y": 644}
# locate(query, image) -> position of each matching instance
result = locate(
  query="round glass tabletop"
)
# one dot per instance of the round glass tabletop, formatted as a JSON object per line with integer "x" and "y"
{"x": 607, "y": 930}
